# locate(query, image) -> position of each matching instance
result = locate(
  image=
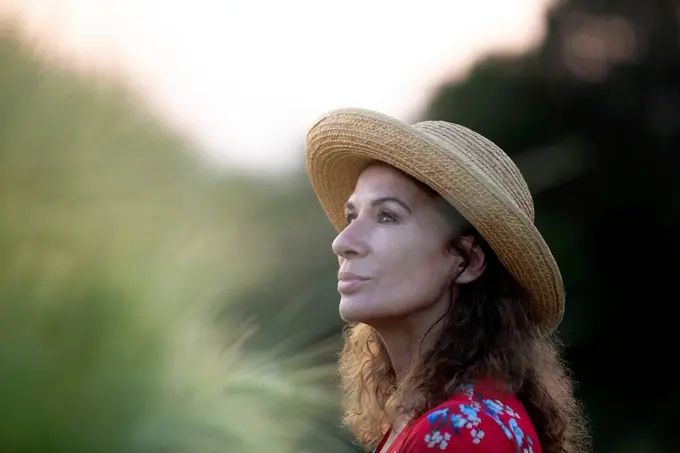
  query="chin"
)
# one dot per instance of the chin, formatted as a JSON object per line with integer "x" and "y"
{"x": 352, "y": 310}
{"x": 355, "y": 310}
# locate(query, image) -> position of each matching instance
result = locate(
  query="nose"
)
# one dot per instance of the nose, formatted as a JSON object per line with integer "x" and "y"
{"x": 350, "y": 243}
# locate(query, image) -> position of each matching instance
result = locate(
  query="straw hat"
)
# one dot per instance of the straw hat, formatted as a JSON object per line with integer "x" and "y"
{"x": 467, "y": 169}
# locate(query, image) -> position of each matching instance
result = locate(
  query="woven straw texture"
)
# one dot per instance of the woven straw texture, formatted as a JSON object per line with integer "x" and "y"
{"x": 467, "y": 169}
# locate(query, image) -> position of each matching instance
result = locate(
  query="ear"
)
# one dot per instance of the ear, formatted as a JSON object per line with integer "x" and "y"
{"x": 472, "y": 260}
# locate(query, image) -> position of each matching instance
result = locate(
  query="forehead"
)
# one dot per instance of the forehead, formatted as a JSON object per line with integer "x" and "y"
{"x": 383, "y": 180}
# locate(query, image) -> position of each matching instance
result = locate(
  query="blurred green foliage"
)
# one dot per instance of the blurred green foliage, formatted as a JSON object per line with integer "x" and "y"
{"x": 117, "y": 249}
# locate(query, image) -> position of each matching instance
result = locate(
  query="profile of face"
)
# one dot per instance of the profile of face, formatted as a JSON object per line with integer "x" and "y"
{"x": 395, "y": 258}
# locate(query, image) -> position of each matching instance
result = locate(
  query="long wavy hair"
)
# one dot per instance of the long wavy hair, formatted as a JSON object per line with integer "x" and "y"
{"x": 487, "y": 331}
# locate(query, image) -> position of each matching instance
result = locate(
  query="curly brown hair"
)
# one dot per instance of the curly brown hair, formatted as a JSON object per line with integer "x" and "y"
{"x": 487, "y": 332}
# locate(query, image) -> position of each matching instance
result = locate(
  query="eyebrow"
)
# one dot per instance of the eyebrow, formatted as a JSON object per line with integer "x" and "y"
{"x": 379, "y": 201}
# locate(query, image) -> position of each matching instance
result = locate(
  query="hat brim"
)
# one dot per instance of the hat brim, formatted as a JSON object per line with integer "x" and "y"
{"x": 343, "y": 142}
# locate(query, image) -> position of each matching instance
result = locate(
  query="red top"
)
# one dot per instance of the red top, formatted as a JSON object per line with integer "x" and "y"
{"x": 478, "y": 418}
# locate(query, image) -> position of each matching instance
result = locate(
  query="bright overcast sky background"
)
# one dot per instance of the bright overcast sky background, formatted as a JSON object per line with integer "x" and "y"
{"x": 245, "y": 79}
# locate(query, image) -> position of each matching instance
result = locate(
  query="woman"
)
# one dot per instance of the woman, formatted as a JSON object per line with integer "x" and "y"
{"x": 451, "y": 294}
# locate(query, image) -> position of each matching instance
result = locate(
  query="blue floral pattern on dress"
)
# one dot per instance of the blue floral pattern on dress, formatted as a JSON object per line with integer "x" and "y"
{"x": 464, "y": 419}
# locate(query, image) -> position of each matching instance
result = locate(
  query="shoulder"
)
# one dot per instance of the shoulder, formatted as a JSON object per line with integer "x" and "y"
{"x": 474, "y": 420}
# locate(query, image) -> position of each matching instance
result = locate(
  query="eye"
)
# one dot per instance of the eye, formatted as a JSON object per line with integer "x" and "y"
{"x": 385, "y": 216}
{"x": 350, "y": 216}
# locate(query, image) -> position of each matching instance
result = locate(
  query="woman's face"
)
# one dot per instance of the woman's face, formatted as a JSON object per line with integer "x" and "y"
{"x": 394, "y": 255}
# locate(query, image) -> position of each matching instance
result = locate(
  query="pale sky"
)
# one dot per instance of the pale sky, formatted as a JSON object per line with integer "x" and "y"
{"x": 245, "y": 79}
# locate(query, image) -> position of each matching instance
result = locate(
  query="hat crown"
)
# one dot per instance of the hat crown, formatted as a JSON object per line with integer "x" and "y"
{"x": 486, "y": 156}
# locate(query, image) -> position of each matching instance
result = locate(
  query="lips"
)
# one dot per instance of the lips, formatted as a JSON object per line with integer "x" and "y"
{"x": 349, "y": 282}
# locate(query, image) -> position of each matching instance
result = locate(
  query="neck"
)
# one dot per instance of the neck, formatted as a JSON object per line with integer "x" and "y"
{"x": 407, "y": 339}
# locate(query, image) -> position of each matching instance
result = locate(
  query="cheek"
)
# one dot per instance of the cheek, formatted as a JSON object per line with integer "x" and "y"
{"x": 417, "y": 279}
